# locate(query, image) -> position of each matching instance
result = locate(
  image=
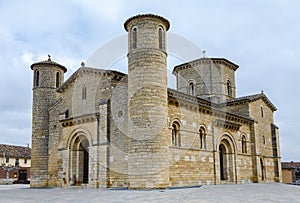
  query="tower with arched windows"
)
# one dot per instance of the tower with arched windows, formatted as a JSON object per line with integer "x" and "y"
{"x": 48, "y": 76}
{"x": 210, "y": 78}
{"x": 147, "y": 100}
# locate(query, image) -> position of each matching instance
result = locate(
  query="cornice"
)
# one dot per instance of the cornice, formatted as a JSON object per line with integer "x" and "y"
{"x": 205, "y": 106}
{"x": 47, "y": 63}
{"x": 92, "y": 71}
{"x": 227, "y": 124}
{"x": 200, "y": 61}
{"x": 87, "y": 118}
{"x": 165, "y": 21}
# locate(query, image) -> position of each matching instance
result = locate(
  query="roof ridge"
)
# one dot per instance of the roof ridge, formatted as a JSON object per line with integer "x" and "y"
{"x": 48, "y": 62}
{"x": 248, "y": 96}
{"x": 15, "y": 151}
{"x": 251, "y": 98}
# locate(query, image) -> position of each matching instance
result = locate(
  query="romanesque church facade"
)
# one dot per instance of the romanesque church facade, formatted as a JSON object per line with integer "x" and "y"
{"x": 104, "y": 128}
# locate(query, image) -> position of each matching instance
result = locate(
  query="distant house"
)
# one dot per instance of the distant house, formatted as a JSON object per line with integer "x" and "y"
{"x": 15, "y": 156}
{"x": 290, "y": 172}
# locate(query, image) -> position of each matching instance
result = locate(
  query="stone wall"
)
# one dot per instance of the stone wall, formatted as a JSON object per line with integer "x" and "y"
{"x": 191, "y": 165}
{"x": 267, "y": 163}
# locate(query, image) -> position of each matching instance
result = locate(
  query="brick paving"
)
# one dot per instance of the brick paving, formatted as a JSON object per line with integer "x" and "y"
{"x": 209, "y": 193}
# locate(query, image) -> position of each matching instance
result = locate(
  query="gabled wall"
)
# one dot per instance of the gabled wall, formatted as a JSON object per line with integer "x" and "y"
{"x": 264, "y": 137}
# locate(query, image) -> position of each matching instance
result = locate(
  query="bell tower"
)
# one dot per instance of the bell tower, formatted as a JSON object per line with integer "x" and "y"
{"x": 147, "y": 102}
{"x": 48, "y": 76}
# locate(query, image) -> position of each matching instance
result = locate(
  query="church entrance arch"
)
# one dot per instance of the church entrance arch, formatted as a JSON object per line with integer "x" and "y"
{"x": 226, "y": 160}
{"x": 79, "y": 160}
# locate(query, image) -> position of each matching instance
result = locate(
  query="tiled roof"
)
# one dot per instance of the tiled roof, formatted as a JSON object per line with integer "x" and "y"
{"x": 290, "y": 165}
{"x": 252, "y": 98}
{"x": 15, "y": 151}
{"x": 88, "y": 70}
{"x": 147, "y": 15}
{"x": 194, "y": 63}
{"x": 49, "y": 62}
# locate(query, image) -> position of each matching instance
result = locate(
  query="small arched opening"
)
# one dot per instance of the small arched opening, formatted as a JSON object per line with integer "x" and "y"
{"x": 57, "y": 80}
{"x": 191, "y": 88}
{"x": 84, "y": 99}
{"x": 37, "y": 78}
{"x": 229, "y": 88}
{"x": 244, "y": 144}
{"x": 160, "y": 38}
{"x": 134, "y": 38}
{"x": 202, "y": 137}
{"x": 176, "y": 141}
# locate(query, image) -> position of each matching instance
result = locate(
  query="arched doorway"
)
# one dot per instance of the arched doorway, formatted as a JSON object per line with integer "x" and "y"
{"x": 223, "y": 162}
{"x": 79, "y": 160}
{"x": 226, "y": 160}
{"x": 262, "y": 167}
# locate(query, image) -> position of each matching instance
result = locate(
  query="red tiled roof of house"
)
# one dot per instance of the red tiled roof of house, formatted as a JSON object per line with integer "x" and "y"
{"x": 289, "y": 165}
{"x": 15, "y": 151}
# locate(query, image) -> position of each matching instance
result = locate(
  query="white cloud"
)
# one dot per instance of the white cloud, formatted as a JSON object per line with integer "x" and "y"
{"x": 109, "y": 10}
{"x": 27, "y": 58}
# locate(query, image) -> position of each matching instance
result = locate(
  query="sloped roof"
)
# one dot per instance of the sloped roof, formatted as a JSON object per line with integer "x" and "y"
{"x": 149, "y": 16}
{"x": 15, "y": 151}
{"x": 87, "y": 69}
{"x": 194, "y": 63}
{"x": 251, "y": 98}
{"x": 49, "y": 62}
{"x": 290, "y": 165}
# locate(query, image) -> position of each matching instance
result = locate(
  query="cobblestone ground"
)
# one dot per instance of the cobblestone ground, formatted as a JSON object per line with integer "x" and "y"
{"x": 208, "y": 193}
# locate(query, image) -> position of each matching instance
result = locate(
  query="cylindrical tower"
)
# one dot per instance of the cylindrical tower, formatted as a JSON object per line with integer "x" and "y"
{"x": 147, "y": 102}
{"x": 48, "y": 76}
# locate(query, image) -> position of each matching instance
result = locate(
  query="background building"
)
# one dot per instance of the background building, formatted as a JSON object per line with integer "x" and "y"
{"x": 15, "y": 156}
{"x": 290, "y": 172}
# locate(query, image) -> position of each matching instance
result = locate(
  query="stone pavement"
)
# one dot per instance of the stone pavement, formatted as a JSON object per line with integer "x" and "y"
{"x": 209, "y": 193}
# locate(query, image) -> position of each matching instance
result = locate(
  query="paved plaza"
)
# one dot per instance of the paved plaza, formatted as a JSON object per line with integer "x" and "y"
{"x": 208, "y": 193}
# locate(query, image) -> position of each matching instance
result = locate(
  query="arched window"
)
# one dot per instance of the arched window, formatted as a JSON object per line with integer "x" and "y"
{"x": 84, "y": 92}
{"x": 37, "y": 78}
{"x": 244, "y": 145}
{"x": 134, "y": 38}
{"x": 202, "y": 137}
{"x": 229, "y": 88}
{"x": 175, "y": 134}
{"x": 191, "y": 88}
{"x": 160, "y": 37}
{"x": 263, "y": 140}
{"x": 262, "y": 111}
{"x": 57, "y": 79}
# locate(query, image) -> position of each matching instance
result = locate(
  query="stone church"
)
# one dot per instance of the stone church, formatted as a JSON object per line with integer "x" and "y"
{"x": 104, "y": 128}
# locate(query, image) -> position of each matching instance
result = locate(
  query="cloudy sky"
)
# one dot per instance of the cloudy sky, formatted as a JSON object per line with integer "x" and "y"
{"x": 262, "y": 37}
